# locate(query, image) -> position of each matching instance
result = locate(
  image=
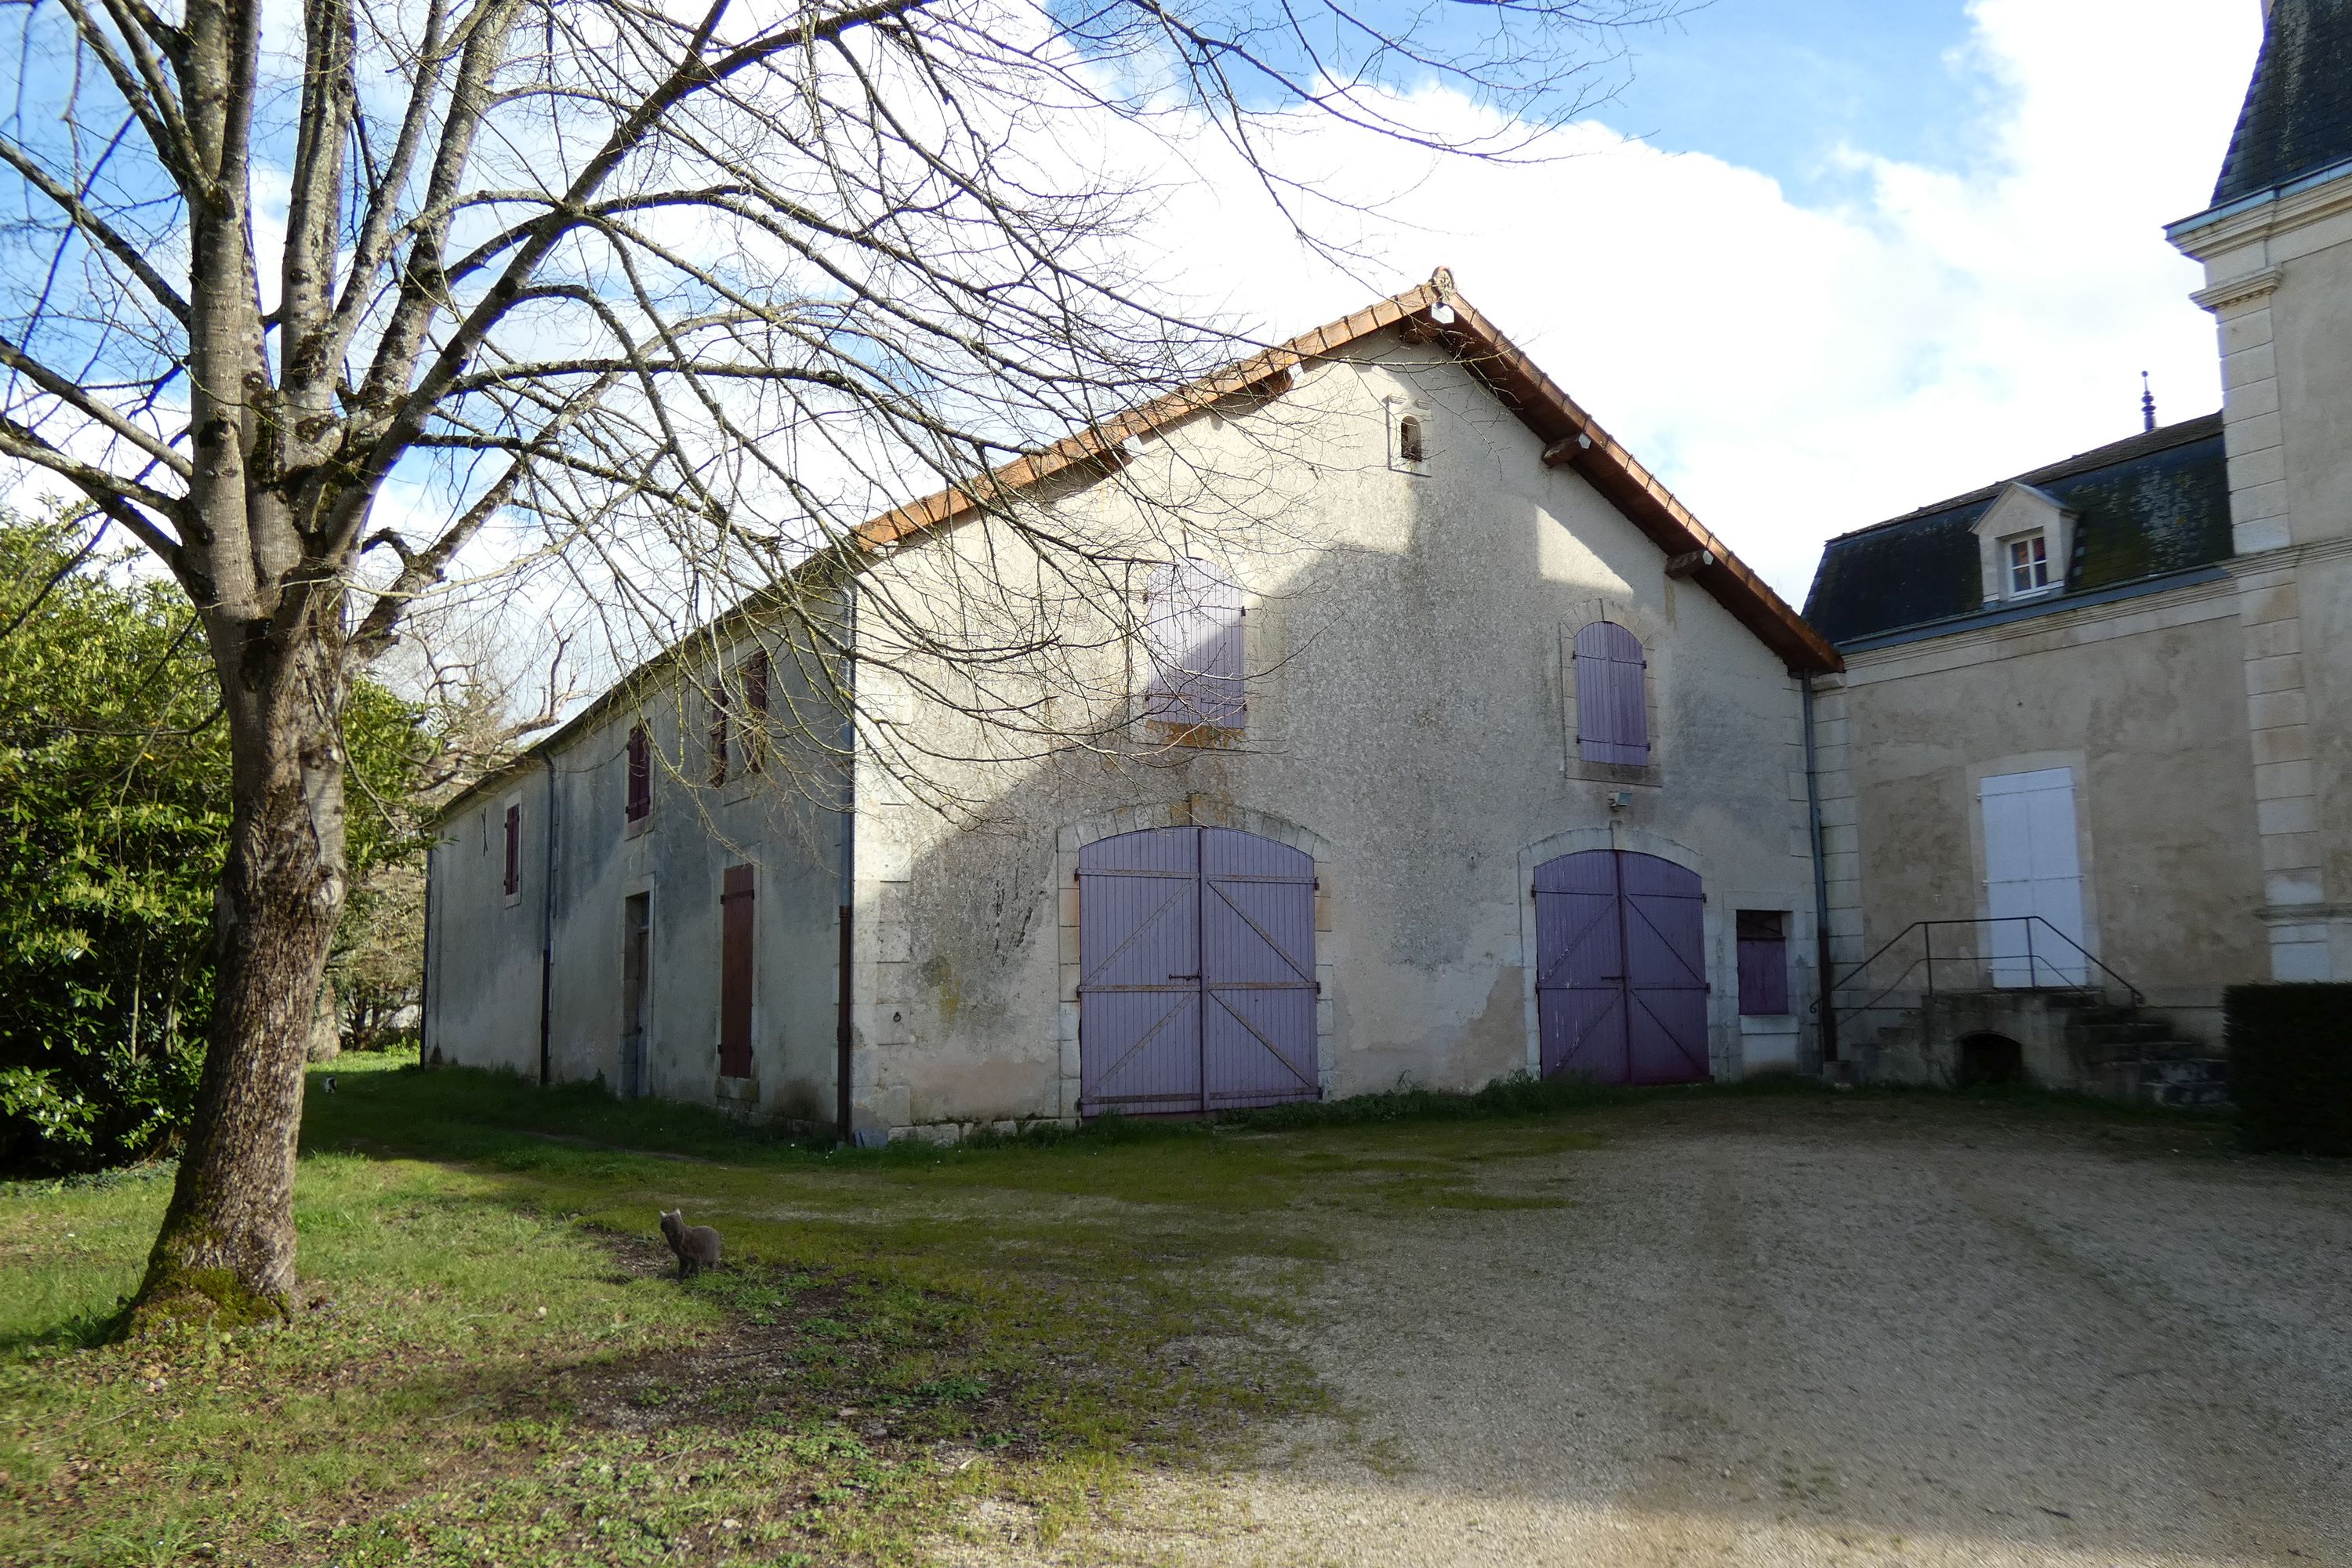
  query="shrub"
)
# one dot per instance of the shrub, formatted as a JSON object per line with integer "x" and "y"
{"x": 2291, "y": 1065}
{"x": 114, "y": 817}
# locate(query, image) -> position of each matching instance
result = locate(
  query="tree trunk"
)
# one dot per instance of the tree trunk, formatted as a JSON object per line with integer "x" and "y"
{"x": 226, "y": 1248}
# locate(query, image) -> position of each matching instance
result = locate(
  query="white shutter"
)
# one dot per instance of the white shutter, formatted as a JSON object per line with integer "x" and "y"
{"x": 2033, "y": 867}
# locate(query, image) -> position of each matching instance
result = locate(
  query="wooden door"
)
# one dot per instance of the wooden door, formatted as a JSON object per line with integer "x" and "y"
{"x": 1621, "y": 968}
{"x": 735, "y": 933}
{"x": 1257, "y": 971}
{"x": 636, "y": 958}
{"x": 1196, "y": 987}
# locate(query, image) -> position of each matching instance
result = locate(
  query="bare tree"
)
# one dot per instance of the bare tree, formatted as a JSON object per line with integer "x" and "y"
{"x": 330, "y": 305}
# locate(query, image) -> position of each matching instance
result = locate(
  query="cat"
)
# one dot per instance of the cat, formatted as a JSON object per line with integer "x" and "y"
{"x": 697, "y": 1246}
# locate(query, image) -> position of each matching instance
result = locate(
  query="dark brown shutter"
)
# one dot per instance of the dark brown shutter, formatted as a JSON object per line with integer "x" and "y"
{"x": 735, "y": 974}
{"x": 514, "y": 850}
{"x": 641, "y": 774}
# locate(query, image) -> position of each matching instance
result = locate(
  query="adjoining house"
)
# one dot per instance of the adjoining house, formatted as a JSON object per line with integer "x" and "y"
{"x": 2087, "y": 764}
{"x": 1505, "y": 775}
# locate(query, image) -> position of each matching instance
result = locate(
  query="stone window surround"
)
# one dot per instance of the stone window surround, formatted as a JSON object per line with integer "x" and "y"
{"x": 1651, "y": 629}
{"x": 1400, "y": 408}
{"x": 513, "y": 801}
{"x": 1190, "y": 811}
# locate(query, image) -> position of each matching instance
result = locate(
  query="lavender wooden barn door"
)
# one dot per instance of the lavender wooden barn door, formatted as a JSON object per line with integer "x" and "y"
{"x": 1621, "y": 968}
{"x": 1257, "y": 964}
{"x": 1196, "y": 984}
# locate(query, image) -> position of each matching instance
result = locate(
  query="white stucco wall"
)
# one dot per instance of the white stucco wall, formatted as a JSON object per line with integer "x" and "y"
{"x": 1411, "y": 724}
{"x": 484, "y": 955}
{"x": 1408, "y": 727}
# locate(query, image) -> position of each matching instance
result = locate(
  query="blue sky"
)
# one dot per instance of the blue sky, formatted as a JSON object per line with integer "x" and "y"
{"x": 1778, "y": 84}
{"x": 1822, "y": 261}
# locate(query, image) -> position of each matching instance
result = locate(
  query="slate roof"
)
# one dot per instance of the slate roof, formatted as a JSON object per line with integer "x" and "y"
{"x": 2153, "y": 505}
{"x": 2298, "y": 114}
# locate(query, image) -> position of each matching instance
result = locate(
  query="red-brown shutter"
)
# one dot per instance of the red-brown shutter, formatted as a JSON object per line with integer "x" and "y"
{"x": 735, "y": 974}
{"x": 641, "y": 774}
{"x": 755, "y": 699}
{"x": 514, "y": 850}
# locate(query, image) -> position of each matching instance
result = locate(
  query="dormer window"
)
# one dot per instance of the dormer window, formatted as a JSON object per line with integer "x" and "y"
{"x": 2029, "y": 564}
{"x": 2024, "y": 538}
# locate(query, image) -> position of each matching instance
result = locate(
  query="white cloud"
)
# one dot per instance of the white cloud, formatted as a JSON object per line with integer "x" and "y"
{"x": 1794, "y": 371}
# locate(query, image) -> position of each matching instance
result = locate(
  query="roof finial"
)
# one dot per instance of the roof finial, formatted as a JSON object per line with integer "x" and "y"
{"x": 2146, "y": 402}
{"x": 1442, "y": 281}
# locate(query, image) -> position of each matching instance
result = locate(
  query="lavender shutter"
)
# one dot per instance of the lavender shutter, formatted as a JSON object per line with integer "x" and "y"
{"x": 1192, "y": 635}
{"x": 1612, "y": 714}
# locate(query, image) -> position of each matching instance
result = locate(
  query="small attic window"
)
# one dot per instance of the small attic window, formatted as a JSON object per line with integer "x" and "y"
{"x": 2025, "y": 539}
{"x": 1408, "y": 436}
{"x": 2029, "y": 564}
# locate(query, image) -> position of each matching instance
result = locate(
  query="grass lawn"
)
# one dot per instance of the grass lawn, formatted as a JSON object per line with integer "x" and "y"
{"x": 496, "y": 1367}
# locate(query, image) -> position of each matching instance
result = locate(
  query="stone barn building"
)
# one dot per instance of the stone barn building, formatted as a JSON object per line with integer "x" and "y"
{"x": 1505, "y": 773}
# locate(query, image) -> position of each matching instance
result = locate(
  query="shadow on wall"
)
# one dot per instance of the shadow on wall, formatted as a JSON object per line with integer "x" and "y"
{"x": 1401, "y": 686}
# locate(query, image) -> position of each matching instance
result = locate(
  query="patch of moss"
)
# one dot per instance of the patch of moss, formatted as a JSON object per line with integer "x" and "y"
{"x": 178, "y": 1300}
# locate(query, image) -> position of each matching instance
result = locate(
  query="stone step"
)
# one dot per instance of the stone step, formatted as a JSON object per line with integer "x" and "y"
{"x": 2119, "y": 1032}
{"x": 2183, "y": 1079}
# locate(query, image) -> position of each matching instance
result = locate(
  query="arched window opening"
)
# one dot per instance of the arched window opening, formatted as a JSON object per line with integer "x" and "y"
{"x": 1409, "y": 443}
{"x": 1613, "y": 710}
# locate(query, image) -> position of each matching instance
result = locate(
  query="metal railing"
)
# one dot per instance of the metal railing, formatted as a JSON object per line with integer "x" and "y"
{"x": 2042, "y": 951}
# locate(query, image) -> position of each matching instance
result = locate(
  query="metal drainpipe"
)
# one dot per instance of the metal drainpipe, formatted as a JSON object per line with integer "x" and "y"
{"x": 843, "y": 1035}
{"x": 1827, "y": 1004}
{"x": 424, "y": 982}
{"x": 547, "y": 931}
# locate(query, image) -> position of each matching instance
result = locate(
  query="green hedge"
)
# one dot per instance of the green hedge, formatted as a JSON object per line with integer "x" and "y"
{"x": 2291, "y": 1065}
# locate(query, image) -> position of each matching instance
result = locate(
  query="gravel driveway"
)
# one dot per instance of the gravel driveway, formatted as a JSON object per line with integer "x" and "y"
{"x": 1824, "y": 1333}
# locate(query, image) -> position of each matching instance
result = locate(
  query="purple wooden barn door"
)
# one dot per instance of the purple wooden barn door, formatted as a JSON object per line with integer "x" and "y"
{"x": 1196, "y": 987}
{"x": 1140, "y": 972}
{"x": 1257, "y": 961}
{"x": 1666, "y": 970}
{"x": 1581, "y": 967}
{"x": 1621, "y": 968}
